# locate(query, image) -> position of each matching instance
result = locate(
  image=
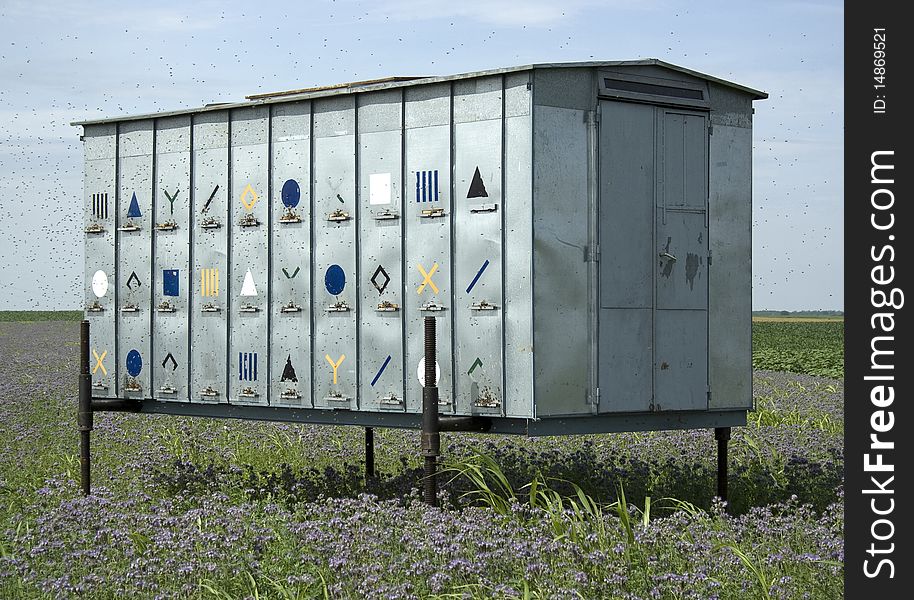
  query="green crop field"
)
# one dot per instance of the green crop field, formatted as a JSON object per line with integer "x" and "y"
{"x": 809, "y": 347}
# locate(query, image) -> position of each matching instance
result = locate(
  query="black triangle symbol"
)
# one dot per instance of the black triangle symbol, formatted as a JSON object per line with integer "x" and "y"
{"x": 288, "y": 373}
{"x": 133, "y": 278}
{"x": 477, "y": 187}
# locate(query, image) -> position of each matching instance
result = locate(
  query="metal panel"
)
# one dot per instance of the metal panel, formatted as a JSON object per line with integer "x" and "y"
{"x": 626, "y": 205}
{"x": 518, "y": 231}
{"x": 499, "y": 425}
{"x": 681, "y": 360}
{"x": 681, "y": 315}
{"x": 427, "y": 236}
{"x": 478, "y": 210}
{"x": 626, "y": 212}
{"x": 560, "y": 222}
{"x": 626, "y": 360}
{"x": 170, "y": 266}
{"x": 685, "y": 160}
{"x": 380, "y": 252}
{"x": 730, "y": 273}
{"x": 134, "y": 267}
{"x": 336, "y": 281}
{"x": 100, "y": 207}
{"x": 290, "y": 327}
{"x": 682, "y": 273}
{"x": 210, "y": 216}
{"x": 249, "y": 203}
{"x": 563, "y": 88}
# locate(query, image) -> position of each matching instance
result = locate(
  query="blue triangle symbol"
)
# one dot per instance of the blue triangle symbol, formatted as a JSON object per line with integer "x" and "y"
{"x": 134, "y": 210}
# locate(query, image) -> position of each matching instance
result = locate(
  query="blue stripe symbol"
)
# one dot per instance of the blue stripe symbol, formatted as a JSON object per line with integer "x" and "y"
{"x": 381, "y": 370}
{"x": 478, "y": 275}
{"x": 427, "y": 186}
{"x": 247, "y": 366}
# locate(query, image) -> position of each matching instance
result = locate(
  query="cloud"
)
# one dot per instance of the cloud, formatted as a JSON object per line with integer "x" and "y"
{"x": 149, "y": 18}
{"x": 536, "y": 13}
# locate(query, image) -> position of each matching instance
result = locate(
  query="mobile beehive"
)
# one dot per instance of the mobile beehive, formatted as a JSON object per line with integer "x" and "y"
{"x": 582, "y": 232}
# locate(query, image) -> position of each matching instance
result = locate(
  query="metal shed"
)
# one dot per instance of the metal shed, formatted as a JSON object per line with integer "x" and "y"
{"x": 581, "y": 231}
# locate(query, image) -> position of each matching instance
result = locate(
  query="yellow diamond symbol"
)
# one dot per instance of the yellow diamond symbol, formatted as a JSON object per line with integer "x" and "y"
{"x": 249, "y": 191}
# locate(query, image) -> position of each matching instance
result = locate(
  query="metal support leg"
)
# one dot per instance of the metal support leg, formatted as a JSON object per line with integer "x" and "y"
{"x": 431, "y": 437}
{"x": 369, "y": 454}
{"x": 722, "y": 434}
{"x": 84, "y": 412}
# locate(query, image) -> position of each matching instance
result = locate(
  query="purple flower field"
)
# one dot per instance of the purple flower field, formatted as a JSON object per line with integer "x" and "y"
{"x": 201, "y": 508}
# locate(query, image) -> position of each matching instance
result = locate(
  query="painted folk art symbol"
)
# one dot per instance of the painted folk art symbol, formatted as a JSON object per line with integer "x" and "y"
{"x": 100, "y": 205}
{"x": 100, "y": 284}
{"x": 133, "y": 210}
{"x": 249, "y": 197}
{"x": 291, "y": 193}
{"x": 247, "y": 287}
{"x": 99, "y": 362}
{"x": 427, "y": 278}
{"x": 210, "y": 199}
{"x": 247, "y": 366}
{"x": 335, "y": 365}
{"x": 170, "y": 281}
{"x": 427, "y": 186}
{"x": 477, "y": 187}
{"x": 134, "y": 363}
{"x": 335, "y": 280}
{"x": 209, "y": 282}
{"x": 171, "y": 200}
{"x": 288, "y": 372}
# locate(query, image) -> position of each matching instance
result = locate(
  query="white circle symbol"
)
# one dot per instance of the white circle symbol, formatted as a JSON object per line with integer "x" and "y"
{"x": 420, "y": 372}
{"x": 100, "y": 284}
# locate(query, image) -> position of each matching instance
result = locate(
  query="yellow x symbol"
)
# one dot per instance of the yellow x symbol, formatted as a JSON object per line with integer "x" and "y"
{"x": 427, "y": 278}
{"x": 249, "y": 191}
{"x": 98, "y": 362}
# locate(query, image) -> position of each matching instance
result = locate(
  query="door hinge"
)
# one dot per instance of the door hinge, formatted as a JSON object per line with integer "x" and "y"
{"x": 592, "y": 253}
{"x": 595, "y": 397}
{"x": 710, "y": 129}
{"x": 709, "y": 258}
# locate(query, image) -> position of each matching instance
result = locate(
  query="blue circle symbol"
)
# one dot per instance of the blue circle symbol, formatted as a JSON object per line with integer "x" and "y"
{"x": 134, "y": 363}
{"x": 291, "y": 193}
{"x": 335, "y": 279}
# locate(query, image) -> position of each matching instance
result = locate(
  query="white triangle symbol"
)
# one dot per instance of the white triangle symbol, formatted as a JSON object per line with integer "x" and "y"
{"x": 248, "y": 288}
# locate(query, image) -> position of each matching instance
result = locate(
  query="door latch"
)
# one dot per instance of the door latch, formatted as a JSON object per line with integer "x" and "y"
{"x": 167, "y": 226}
{"x": 291, "y": 307}
{"x": 339, "y": 215}
{"x": 290, "y": 216}
{"x": 430, "y": 213}
{"x": 340, "y": 306}
{"x": 483, "y": 305}
{"x": 290, "y": 394}
{"x": 386, "y": 215}
{"x": 248, "y": 220}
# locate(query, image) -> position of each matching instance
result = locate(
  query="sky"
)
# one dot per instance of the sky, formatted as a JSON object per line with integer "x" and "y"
{"x": 66, "y": 61}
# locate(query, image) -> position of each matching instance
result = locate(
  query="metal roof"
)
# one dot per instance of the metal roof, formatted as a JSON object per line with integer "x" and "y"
{"x": 398, "y": 82}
